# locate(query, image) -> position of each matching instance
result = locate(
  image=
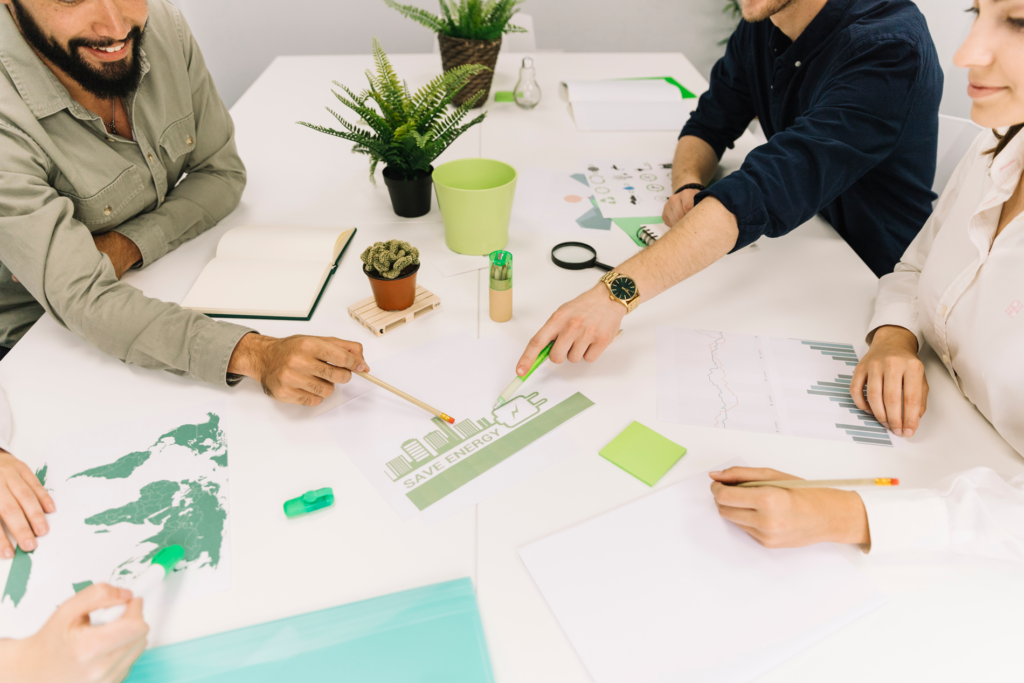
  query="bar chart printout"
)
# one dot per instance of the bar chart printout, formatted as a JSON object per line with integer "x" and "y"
{"x": 770, "y": 385}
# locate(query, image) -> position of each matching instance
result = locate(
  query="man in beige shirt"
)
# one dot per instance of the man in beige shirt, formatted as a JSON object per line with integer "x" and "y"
{"x": 115, "y": 148}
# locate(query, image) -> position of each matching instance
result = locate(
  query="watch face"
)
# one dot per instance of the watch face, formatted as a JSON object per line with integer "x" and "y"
{"x": 623, "y": 288}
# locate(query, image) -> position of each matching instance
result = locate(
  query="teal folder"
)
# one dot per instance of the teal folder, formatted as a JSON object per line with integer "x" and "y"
{"x": 425, "y": 635}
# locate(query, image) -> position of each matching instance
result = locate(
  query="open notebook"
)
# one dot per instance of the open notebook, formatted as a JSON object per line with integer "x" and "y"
{"x": 269, "y": 271}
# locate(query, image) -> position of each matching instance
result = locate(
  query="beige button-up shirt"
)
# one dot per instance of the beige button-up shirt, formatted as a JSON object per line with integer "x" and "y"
{"x": 63, "y": 177}
{"x": 961, "y": 288}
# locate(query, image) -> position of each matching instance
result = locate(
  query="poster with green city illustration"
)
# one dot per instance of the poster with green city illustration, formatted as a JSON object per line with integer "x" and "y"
{"x": 423, "y": 465}
{"x": 123, "y": 492}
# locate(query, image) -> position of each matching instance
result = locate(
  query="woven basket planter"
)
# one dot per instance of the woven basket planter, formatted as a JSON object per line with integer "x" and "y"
{"x": 458, "y": 51}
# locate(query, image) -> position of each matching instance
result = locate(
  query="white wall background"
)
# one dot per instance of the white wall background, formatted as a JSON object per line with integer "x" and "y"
{"x": 241, "y": 37}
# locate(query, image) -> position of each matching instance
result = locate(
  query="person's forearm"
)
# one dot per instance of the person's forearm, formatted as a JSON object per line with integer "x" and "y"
{"x": 705, "y": 235}
{"x": 122, "y": 252}
{"x": 895, "y": 334}
{"x": 694, "y": 162}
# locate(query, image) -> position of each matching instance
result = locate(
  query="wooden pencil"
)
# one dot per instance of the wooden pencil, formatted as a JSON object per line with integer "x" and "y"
{"x": 398, "y": 392}
{"x": 822, "y": 483}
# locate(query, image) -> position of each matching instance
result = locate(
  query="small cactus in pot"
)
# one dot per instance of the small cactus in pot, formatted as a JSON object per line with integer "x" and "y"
{"x": 391, "y": 267}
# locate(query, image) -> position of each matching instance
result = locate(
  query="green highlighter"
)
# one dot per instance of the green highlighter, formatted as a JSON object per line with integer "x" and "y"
{"x": 643, "y": 452}
{"x": 513, "y": 388}
{"x": 309, "y": 501}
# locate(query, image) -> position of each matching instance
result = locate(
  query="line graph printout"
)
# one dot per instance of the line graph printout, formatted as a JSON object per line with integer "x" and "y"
{"x": 770, "y": 385}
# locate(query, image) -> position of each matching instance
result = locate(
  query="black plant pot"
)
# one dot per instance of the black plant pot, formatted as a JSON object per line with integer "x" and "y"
{"x": 409, "y": 198}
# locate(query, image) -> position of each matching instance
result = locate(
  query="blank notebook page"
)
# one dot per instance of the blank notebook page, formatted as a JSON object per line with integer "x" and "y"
{"x": 663, "y": 589}
{"x": 258, "y": 287}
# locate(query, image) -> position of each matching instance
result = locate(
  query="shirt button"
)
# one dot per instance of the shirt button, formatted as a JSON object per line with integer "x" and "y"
{"x": 945, "y": 359}
{"x": 107, "y": 211}
{"x": 797, "y": 64}
{"x": 943, "y": 311}
{"x": 188, "y": 141}
{"x": 150, "y": 157}
{"x": 109, "y": 139}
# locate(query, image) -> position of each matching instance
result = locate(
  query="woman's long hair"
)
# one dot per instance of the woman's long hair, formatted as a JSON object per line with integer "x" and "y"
{"x": 1004, "y": 139}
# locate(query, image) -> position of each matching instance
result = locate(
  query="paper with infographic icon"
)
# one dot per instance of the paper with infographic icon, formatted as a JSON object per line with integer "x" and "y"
{"x": 423, "y": 465}
{"x": 123, "y": 492}
{"x": 630, "y": 188}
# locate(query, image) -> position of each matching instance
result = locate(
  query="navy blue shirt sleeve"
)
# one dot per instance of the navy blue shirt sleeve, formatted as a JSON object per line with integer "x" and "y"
{"x": 854, "y": 123}
{"x": 727, "y": 107}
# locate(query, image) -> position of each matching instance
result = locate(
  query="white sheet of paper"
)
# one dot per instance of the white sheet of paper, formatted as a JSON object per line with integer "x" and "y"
{"x": 549, "y": 198}
{"x": 664, "y": 590}
{"x": 123, "y": 492}
{"x": 761, "y": 384}
{"x": 460, "y": 263}
{"x": 628, "y": 105}
{"x": 631, "y": 116}
{"x": 622, "y": 90}
{"x": 419, "y": 463}
{"x": 630, "y": 188}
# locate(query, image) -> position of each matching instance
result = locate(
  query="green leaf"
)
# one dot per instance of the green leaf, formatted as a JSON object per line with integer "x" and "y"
{"x": 470, "y": 19}
{"x": 406, "y": 131}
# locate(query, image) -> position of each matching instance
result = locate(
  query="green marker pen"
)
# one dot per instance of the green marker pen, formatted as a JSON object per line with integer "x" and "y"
{"x": 162, "y": 565}
{"x": 511, "y": 389}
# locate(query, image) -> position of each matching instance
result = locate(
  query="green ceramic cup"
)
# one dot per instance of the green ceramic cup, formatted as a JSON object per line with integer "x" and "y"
{"x": 475, "y": 198}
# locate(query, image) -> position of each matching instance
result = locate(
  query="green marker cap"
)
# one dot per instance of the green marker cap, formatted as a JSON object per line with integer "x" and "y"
{"x": 169, "y": 557}
{"x": 309, "y": 502}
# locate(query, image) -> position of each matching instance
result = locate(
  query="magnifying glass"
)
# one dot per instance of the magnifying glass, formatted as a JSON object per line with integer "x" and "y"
{"x": 576, "y": 256}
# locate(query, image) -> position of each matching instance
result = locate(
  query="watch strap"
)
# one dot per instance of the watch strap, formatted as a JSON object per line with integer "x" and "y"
{"x": 691, "y": 186}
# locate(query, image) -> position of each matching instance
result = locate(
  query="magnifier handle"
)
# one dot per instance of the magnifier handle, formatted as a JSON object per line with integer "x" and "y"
{"x": 598, "y": 264}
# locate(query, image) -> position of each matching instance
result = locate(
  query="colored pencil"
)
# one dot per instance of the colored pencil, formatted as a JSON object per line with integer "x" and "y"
{"x": 415, "y": 401}
{"x": 823, "y": 483}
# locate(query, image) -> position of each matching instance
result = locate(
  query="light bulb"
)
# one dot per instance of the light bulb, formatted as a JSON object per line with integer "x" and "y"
{"x": 527, "y": 92}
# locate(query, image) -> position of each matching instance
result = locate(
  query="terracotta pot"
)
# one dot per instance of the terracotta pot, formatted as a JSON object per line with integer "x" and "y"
{"x": 409, "y": 198}
{"x": 458, "y": 51}
{"x": 394, "y": 295}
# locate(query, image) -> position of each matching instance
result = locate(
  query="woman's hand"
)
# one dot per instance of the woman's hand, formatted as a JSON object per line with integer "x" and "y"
{"x": 67, "y": 649}
{"x": 23, "y": 500}
{"x": 897, "y": 390}
{"x": 789, "y": 518}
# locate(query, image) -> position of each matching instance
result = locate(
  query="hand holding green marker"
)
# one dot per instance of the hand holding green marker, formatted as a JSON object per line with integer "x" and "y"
{"x": 511, "y": 389}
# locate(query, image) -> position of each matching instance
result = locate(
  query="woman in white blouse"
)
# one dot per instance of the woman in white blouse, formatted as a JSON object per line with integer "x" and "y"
{"x": 67, "y": 649}
{"x": 960, "y": 287}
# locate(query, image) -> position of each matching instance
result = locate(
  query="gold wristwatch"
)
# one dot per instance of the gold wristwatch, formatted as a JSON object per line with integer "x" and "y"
{"x": 622, "y": 288}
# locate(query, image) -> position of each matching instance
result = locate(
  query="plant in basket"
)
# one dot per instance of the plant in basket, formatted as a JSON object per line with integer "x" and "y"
{"x": 469, "y": 32}
{"x": 407, "y": 131}
{"x": 391, "y": 267}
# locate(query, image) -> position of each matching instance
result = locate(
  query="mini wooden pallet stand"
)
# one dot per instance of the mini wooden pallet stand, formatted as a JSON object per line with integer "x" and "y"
{"x": 381, "y": 322}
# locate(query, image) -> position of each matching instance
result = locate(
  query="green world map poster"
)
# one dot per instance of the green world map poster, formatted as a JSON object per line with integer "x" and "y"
{"x": 123, "y": 492}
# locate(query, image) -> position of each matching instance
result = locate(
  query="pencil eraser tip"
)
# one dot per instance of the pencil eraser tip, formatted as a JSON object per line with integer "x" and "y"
{"x": 449, "y": 419}
{"x": 895, "y": 482}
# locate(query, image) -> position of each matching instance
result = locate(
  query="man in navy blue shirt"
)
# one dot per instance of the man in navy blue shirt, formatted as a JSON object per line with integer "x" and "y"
{"x": 847, "y": 92}
{"x": 850, "y": 109}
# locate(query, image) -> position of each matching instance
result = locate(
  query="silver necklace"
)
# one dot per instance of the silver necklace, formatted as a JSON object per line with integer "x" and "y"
{"x": 112, "y": 126}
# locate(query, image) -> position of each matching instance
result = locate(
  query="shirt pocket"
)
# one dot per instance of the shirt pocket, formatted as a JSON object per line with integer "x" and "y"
{"x": 106, "y": 206}
{"x": 179, "y": 138}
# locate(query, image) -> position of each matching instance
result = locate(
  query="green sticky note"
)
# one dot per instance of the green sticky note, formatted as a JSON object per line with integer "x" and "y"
{"x": 643, "y": 452}
{"x": 504, "y": 96}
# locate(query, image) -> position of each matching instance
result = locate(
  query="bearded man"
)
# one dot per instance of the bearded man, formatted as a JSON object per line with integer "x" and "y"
{"x": 847, "y": 93}
{"x": 115, "y": 148}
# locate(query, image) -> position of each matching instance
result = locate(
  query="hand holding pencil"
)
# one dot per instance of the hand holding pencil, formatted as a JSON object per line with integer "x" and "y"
{"x": 779, "y": 517}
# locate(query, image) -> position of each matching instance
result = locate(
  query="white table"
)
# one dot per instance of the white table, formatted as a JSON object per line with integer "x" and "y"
{"x": 948, "y": 618}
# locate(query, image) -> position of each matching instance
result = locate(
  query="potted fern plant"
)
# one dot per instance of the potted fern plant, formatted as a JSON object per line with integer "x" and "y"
{"x": 391, "y": 267}
{"x": 469, "y": 32}
{"x": 407, "y": 131}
